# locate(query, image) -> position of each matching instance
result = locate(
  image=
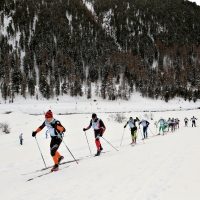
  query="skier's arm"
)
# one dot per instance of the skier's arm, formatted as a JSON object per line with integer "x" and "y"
{"x": 102, "y": 126}
{"x": 38, "y": 129}
{"x": 125, "y": 125}
{"x": 59, "y": 127}
{"x": 85, "y": 129}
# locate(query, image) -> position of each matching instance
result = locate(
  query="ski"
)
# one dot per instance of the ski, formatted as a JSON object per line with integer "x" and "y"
{"x": 63, "y": 163}
{"x": 30, "y": 179}
{"x": 43, "y": 169}
{"x": 101, "y": 153}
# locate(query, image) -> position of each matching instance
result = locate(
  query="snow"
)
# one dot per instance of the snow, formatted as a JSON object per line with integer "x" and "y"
{"x": 89, "y": 6}
{"x": 197, "y": 1}
{"x": 160, "y": 168}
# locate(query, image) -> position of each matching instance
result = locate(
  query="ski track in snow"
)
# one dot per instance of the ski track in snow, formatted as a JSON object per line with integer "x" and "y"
{"x": 165, "y": 167}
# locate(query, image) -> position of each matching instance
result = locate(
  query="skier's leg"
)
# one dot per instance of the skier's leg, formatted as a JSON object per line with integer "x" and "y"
{"x": 160, "y": 127}
{"x": 58, "y": 154}
{"x": 54, "y": 145}
{"x": 135, "y": 135}
{"x": 144, "y": 132}
{"x": 132, "y": 135}
{"x": 97, "y": 141}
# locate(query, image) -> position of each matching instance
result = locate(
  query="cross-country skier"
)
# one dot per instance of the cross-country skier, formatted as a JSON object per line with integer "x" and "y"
{"x": 145, "y": 125}
{"x": 21, "y": 138}
{"x": 161, "y": 121}
{"x": 193, "y": 121}
{"x": 169, "y": 122}
{"x": 99, "y": 129}
{"x": 176, "y": 125}
{"x": 173, "y": 124}
{"x": 55, "y": 129}
{"x": 132, "y": 124}
{"x": 186, "y": 121}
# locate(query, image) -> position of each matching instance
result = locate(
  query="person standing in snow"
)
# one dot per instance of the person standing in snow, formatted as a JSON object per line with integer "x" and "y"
{"x": 193, "y": 121}
{"x": 145, "y": 125}
{"x": 186, "y": 121}
{"x": 55, "y": 129}
{"x": 132, "y": 124}
{"x": 161, "y": 121}
{"x": 21, "y": 138}
{"x": 99, "y": 129}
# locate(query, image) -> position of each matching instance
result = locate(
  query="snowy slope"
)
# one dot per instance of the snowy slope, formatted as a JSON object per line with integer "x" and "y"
{"x": 165, "y": 167}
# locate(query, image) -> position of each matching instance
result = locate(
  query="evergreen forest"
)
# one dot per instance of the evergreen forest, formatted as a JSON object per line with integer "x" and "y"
{"x": 51, "y": 48}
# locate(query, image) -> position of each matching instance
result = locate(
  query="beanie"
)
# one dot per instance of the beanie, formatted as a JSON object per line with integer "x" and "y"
{"x": 94, "y": 115}
{"x": 49, "y": 114}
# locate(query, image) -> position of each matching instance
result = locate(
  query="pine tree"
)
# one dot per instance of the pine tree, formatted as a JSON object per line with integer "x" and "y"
{"x": 16, "y": 80}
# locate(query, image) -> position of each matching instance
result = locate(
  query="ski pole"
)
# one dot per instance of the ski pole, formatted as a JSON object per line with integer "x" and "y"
{"x": 141, "y": 135}
{"x": 110, "y": 144}
{"x": 67, "y": 147}
{"x": 122, "y": 137}
{"x": 151, "y": 131}
{"x": 40, "y": 152}
{"x": 87, "y": 142}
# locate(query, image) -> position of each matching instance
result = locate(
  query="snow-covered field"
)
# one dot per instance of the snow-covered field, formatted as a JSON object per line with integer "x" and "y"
{"x": 160, "y": 168}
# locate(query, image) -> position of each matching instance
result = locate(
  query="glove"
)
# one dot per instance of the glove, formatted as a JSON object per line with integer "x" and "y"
{"x": 84, "y": 129}
{"x": 124, "y": 126}
{"x": 34, "y": 133}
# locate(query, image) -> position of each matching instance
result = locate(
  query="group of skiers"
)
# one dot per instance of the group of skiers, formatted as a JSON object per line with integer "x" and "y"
{"x": 172, "y": 124}
{"x": 56, "y": 130}
{"x": 193, "y": 119}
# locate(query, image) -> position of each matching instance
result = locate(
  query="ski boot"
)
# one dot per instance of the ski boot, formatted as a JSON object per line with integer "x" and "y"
{"x": 98, "y": 153}
{"x": 55, "y": 168}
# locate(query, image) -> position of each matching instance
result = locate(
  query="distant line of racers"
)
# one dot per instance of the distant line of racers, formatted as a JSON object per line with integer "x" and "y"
{"x": 163, "y": 126}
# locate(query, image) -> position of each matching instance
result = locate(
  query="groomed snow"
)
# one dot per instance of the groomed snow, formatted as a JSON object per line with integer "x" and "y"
{"x": 162, "y": 168}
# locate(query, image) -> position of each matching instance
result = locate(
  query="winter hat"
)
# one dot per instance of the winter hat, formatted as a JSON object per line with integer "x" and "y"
{"x": 49, "y": 114}
{"x": 94, "y": 115}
